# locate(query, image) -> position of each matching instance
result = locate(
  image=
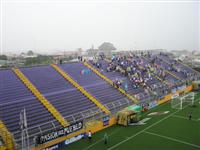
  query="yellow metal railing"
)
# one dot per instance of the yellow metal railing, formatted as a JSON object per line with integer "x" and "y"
{"x": 157, "y": 77}
{"x": 189, "y": 67}
{"x": 175, "y": 76}
{"x": 6, "y": 136}
{"x": 41, "y": 98}
{"x": 81, "y": 89}
{"x": 110, "y": 82}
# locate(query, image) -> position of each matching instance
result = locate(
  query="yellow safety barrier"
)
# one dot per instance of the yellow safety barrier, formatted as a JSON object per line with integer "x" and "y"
{"x": 169, "y": 96}
{"x": 173, "y": 75}
{"x": 6, "y": 137}
{"x": 157, "y": 77}
{"x": 170, "y": 72}
{"x": 110, "y": 82}
{"x": 166, "y": 70}
{"x": 141, "y": 67}
{"x": 41, "y": 98}
{"x": 189, "y": 67}
{"x": 81, "y": 89}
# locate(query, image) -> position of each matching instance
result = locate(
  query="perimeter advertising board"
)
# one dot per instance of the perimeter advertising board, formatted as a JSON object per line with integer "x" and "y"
{"x": 59, "y": 133}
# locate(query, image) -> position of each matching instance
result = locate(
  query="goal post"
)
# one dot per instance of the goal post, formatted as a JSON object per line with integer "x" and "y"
{"x": 179, "y": 102}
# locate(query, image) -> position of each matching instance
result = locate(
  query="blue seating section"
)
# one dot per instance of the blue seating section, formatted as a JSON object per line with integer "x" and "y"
{"x": 113, "y": 75}
{"x": 99, "y": 88}
{"x": 14, "y": 97}
{"x": 163, "y": 62}
{"x": 60, "y": 93}
{"x": 138, "y": 91}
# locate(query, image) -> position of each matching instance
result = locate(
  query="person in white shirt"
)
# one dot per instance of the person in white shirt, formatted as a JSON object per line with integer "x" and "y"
{"x": 90, "y": 136}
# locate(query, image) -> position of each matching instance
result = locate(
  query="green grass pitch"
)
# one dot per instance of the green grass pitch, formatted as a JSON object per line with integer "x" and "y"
{"x": 172, "y": 131}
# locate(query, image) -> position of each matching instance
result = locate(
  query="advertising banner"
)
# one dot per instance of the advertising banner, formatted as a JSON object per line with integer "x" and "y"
{"x": 62, "y": 132}
{"x": 182, "y": 87}
{"x": 175, "y": 96}
{"x": 173, "y": 90}
{"x": 152, "y": 104}
{"x": 65, "y": 143}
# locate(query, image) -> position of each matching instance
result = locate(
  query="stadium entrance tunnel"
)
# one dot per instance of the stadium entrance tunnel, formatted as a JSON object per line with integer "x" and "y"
{"x": 131, "y": 114}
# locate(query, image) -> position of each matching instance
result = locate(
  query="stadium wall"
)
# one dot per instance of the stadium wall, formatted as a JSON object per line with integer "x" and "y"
{"x": 169, "y": 96}
{"x": 96, "y": 126}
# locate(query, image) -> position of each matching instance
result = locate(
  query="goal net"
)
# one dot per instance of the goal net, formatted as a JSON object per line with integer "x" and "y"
{"x": 179, "y": 102}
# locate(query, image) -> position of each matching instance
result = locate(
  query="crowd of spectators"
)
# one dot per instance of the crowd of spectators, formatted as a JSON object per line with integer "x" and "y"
{"x": 141, "y": 73}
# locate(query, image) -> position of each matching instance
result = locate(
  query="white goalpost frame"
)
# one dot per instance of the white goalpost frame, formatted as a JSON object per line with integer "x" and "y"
{"x": 177, "y": 103}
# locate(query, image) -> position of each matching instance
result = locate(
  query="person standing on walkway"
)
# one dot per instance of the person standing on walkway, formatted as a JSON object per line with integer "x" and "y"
{"x": 90, "y": 136}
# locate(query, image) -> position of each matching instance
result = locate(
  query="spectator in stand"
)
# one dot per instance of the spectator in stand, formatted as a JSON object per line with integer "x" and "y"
{"x": 116, "y": 83}
{"x": 61, "y": 61}
{"x": 99, "y": 65}
{"x": 126, "y": 87}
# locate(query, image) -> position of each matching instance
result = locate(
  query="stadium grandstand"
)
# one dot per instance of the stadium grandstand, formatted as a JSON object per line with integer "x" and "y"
{"x": 43, "y": 106}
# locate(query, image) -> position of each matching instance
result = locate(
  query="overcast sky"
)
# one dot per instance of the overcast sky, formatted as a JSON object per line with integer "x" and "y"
{"x": 47, "y": 26}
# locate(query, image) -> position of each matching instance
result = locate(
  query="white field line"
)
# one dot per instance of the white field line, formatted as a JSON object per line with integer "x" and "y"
{"x": 100, "y": 140}
{"x": 134, "y": 135}
{"x": 116, "y": 145}
{"x": 186, "y": 118}
{"x": 153, "y": 109}
{"x": 172, "y": 139}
